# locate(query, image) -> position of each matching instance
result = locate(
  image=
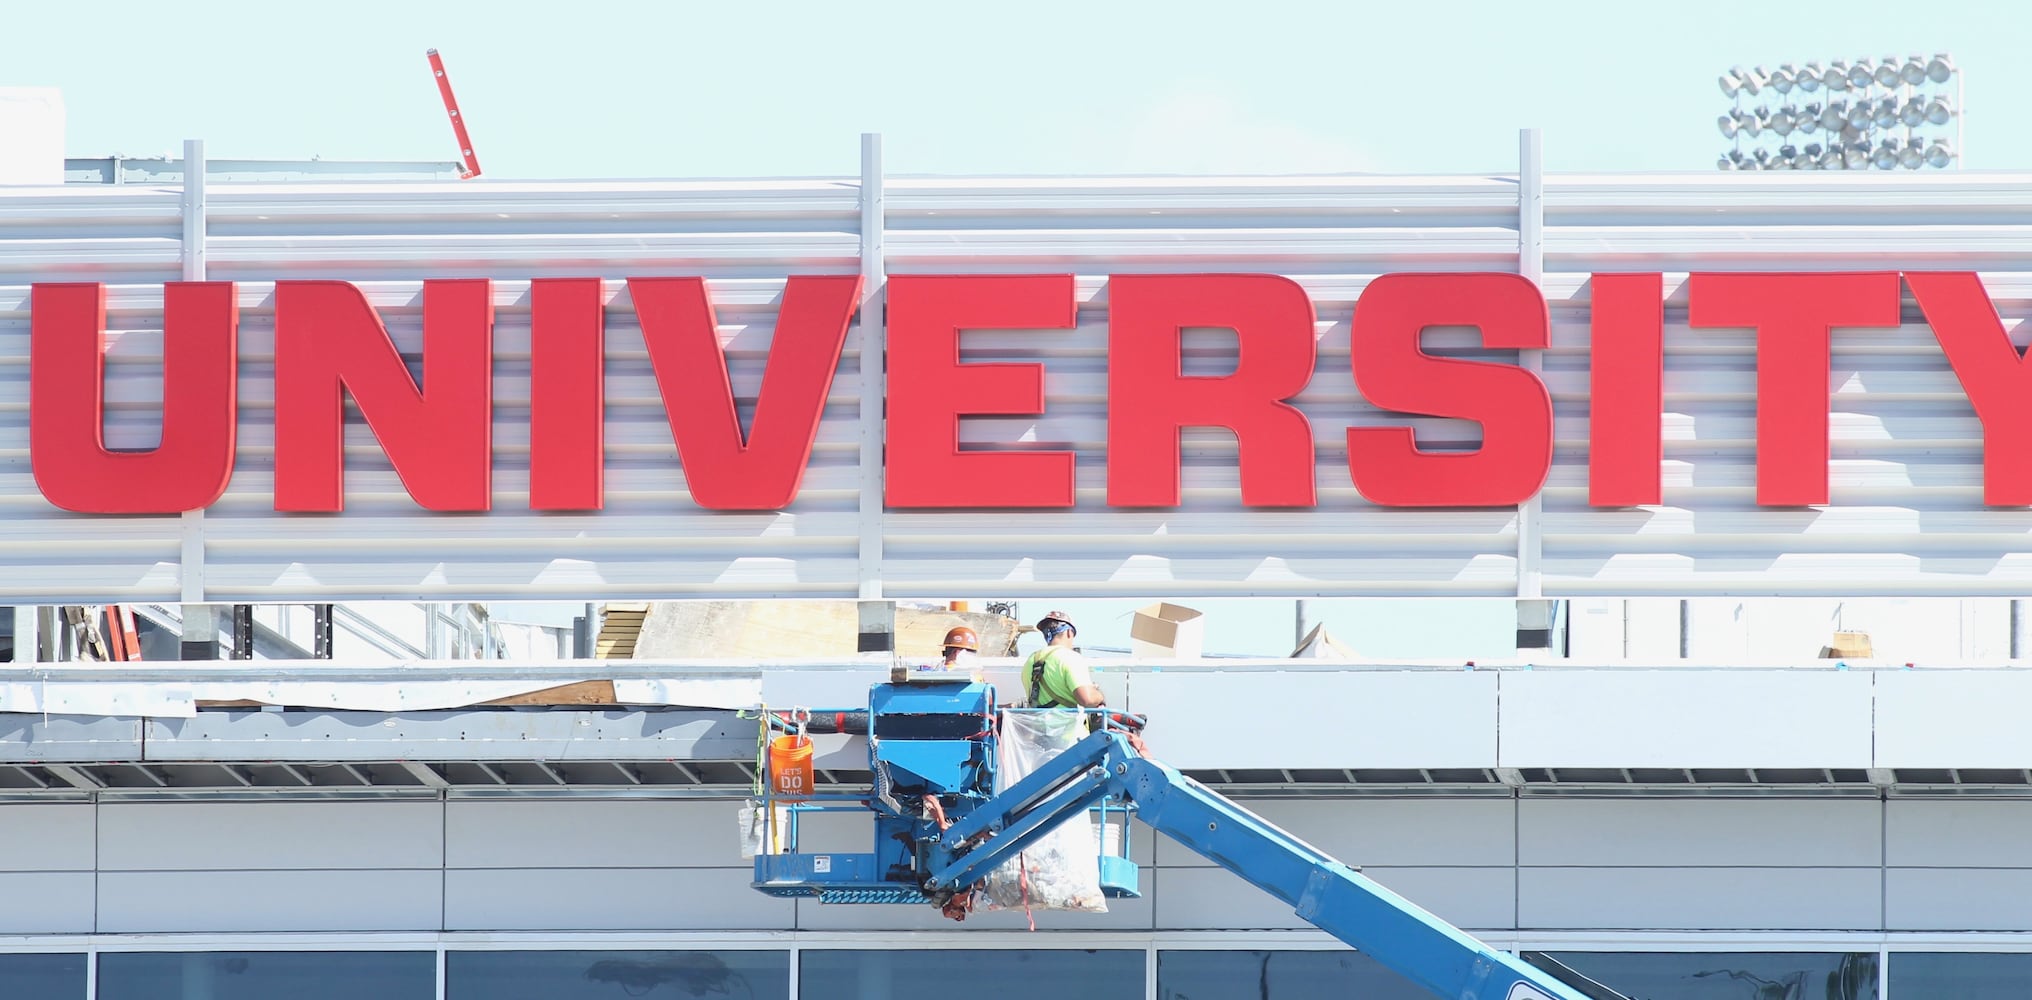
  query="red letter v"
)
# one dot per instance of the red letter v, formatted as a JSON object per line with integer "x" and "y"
{"x": 722, "y": 471}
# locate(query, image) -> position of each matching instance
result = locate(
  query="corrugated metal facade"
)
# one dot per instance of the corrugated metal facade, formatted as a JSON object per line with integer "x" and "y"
{"x": 1907, "y": 515}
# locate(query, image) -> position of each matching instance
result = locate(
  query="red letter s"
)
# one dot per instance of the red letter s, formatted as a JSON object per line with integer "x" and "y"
{"x": 1394, "y": 373}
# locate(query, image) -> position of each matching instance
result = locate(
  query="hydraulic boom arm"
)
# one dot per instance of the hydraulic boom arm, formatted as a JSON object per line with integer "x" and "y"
{"x": 1333, "y": 897}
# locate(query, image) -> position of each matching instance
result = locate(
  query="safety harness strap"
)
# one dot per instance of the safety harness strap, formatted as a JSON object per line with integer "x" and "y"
{"x": 1037, "y": 682}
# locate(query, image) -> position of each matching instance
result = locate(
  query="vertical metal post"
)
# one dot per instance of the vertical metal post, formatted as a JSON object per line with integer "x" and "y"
{"x": 47, "y": 635}
{"x": 877, "y": 627}
{"x": 877, "y": 616}
{"x": 1300, "y": 619}
{"x": 243, "y": 631}
{"x": 582, "y": 637}
{"x": 1534, "y": 618}
{"x": 2021, "y": 629}
{"x": 1685, "y": 629}
{"x": 321, "y": 632}
{"x": 200, "y": 639}
{"x": 873, "y": 365}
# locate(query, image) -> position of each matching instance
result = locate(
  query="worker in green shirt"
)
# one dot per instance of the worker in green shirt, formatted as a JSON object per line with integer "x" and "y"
{"x": 1057, "y": 676}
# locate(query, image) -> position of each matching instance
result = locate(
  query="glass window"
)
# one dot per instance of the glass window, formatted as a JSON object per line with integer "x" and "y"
{"x": 609, "y": 975}
{"x": 1729, "y": 975}
{"x": 42, "y": 977}
{"x": 1964, "y": 976}
{"x": 1278, "y": 975}
{"x": 1013, "y": 974}
{"x": 266, "y": 975}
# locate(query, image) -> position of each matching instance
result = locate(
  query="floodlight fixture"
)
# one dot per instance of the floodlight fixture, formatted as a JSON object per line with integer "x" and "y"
{"x": 1873, "y": 105}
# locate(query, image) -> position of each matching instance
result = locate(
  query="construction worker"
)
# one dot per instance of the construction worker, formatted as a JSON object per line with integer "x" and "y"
{"x": 1056, "y": 676}
{"x": 962, "y": 650}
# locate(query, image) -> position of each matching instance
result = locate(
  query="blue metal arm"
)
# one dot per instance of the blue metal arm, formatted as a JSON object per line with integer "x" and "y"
{"x": 1330, "y": 895}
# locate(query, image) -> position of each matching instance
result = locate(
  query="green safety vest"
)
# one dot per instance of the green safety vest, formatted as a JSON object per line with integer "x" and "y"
{"x": 1047, "y": 680}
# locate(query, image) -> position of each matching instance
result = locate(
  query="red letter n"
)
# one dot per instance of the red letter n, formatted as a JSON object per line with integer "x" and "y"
{"x": 1151, "y": 399}
{"x": 439, "y": 437}
{"x": 67, "y": 402}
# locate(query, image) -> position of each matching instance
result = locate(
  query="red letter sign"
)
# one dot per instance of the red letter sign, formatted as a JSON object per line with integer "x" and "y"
{"x": 1150, "y": 399}
{"x": 1794, "y": 315}
{"x": 67, "y": 402}
{"x": 1992, "y": 371}
{"x": 567, "y": 400}
{"x": 1511, "y": 404}
{"x": 721, "y": 471}
{"x": 929, "y": 390}
{"x": 439, "y": 438}
{"x": 1626, "y": 396}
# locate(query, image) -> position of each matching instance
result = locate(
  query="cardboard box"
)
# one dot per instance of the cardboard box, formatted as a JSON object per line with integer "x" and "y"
{"x": 1848, "y": 645}
{"x": 1167, "y": 632}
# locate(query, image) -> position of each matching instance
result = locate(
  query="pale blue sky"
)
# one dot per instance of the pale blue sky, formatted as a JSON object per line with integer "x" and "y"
{"x": 588, "y": 88}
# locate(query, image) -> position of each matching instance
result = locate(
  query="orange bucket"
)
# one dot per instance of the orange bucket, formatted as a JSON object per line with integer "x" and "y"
{"x": 790, "y": 770}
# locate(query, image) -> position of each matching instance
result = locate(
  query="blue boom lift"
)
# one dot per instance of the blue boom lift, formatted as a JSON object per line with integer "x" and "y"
{"x": 940, "y": 829}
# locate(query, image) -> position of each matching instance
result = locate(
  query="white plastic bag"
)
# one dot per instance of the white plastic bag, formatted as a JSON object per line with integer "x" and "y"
{"x": 1061, "y": 870}
{"x": 757, "y": 836}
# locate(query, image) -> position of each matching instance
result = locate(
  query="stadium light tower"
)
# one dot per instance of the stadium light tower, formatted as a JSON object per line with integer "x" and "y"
{"x": 1866, "y": 114}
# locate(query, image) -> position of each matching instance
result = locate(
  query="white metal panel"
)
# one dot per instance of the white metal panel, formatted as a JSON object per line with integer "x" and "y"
{"x": 1686, "y": 717}
{"x": 610, "y": 834}
{"x": 1953, "y": 718}
{"x": 225, "y": 836}
{"x": 47, "y": 903}
{"x": 1906, "y": 516}
{"x": 1757, "y": 833}
{"x": 127, "y": 238}
{"x": 1943, "y": 833}
{"x": 185, "y": 902}
{"x": 1958, "y": 899}
{"x": 1699, "y": 898}
{"x": 1393, "y": 833}
{"x": 650, "y": 539}
{"x": 614, "y": 899}
{"x": 1213, "y": 899}
{"x": 46, "y": 837}
{"x": 1241, "y": 718}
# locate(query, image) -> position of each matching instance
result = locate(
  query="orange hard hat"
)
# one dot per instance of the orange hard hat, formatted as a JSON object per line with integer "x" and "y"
{"x": 963, "y": 638}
